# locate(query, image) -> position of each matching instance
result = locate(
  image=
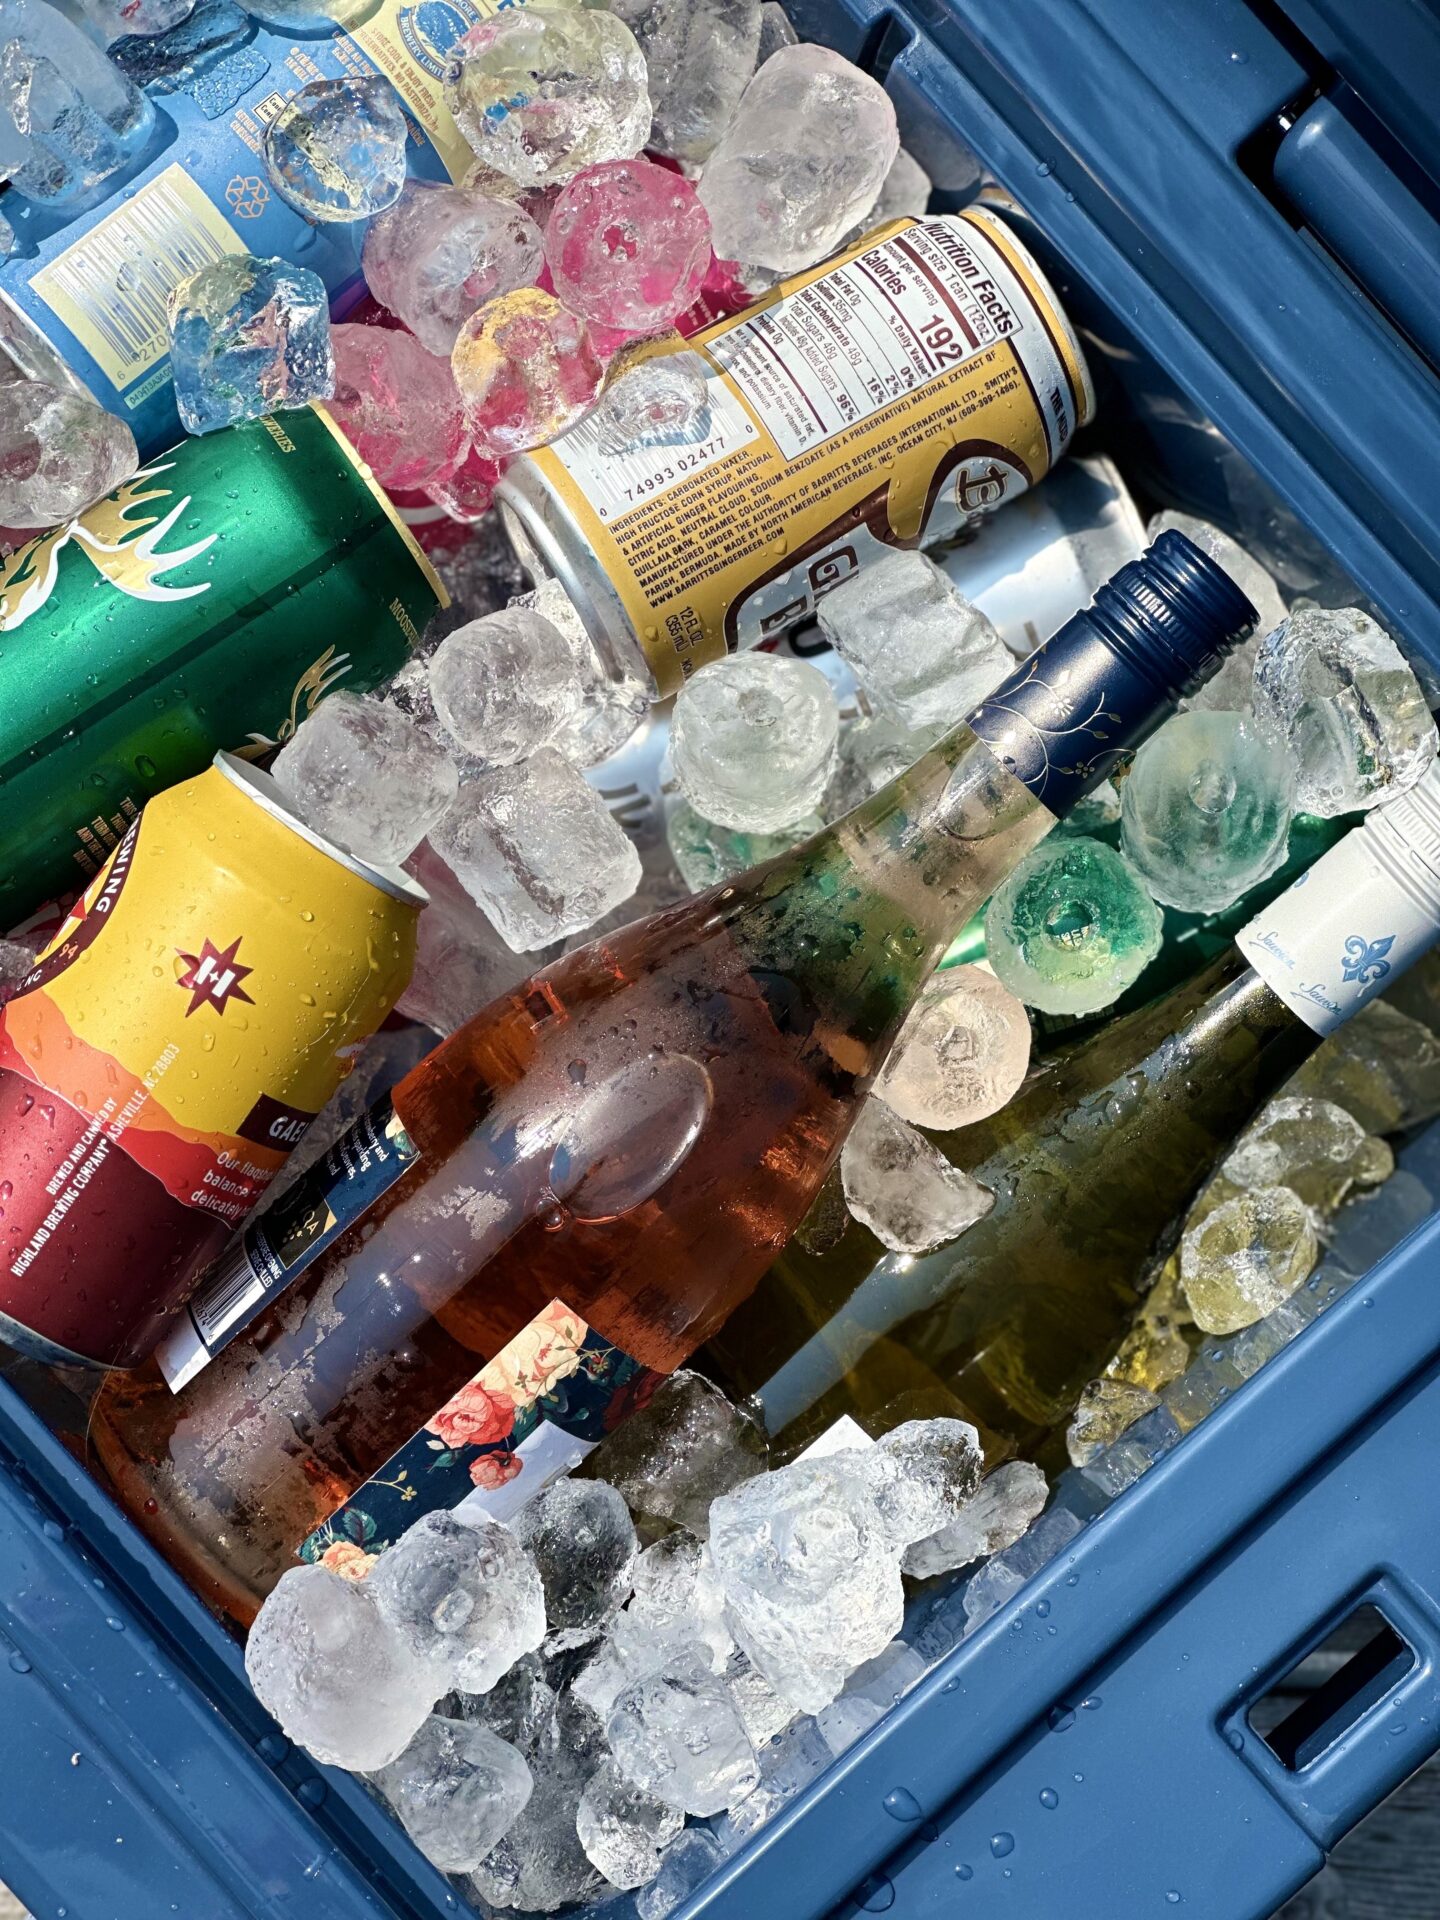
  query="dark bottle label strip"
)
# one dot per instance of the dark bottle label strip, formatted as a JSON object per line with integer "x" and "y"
{"x": 528, "y": 1416}
{"x": 283, "y": 1242}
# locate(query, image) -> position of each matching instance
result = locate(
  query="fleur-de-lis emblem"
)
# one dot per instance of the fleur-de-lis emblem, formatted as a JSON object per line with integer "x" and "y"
{"x": 1365, "y": 960}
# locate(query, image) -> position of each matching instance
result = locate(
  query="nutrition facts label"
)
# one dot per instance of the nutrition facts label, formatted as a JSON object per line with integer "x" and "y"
{"x": 895, "y": 318}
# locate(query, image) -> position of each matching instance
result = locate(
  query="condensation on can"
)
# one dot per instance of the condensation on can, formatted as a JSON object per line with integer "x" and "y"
{"x": 876, "y": 403}
{"x": 170, "y": 1048}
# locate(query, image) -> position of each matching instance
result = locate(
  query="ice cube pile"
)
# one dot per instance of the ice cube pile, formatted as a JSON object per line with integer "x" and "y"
{"x": 557, "y": 1713}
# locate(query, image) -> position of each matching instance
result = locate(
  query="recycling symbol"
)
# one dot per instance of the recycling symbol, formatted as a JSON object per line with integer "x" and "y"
{"x": 248, "y": 195}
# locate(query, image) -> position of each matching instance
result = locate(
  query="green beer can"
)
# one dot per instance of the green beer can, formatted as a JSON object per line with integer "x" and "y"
{"x": 211, "y": 601}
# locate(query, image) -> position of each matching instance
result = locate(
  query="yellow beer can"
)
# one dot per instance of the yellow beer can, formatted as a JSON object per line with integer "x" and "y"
{"x": 171, "y": 1047}
{"x": 878, "y": 402}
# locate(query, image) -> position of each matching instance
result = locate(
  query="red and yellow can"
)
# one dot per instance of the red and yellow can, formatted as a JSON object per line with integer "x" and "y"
{"x": 169, "y": 1049}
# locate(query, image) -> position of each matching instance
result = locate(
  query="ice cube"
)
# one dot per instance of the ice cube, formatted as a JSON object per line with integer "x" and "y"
{"x": 461, "y": 963}
{"x": 1152, "y": 1354}
{"x": 924, "y": 1473}
{"x": 752, "y": 740}
{"x": 457, "y": 1789}
{"x": 801, "y": 162}
{"x": 810, "y": 1575}
{"x": 917, "y": 646}
{"x": 874, "y": 749}
{"x": 177, "y": 60}
{"x": 15, "y": 962}
{"x": 1006, "y": 1572}
{"x": 526, "y": 367}
{"x": 59, "y": 453}
{"x": 615, "y": 702}
{"x": 1335, "y": 687}
{"x": 688, "y": 1864}
{"x": 465, "y": 1596}
{"x": 761, "y": 1709}
{"x": 678, "y": 1735}
{"x": 677, "y": 1603}
{"x": 902, "y": 1188}
{"x": 1106, "y": 1408}
{"x": 441, "y": 253}
{"x": 541, "y": 93}
{"x": 706, "y": 853}
{"x": 1382, "y": 1066}
{"x": 118, "y": 18}
{"x": 503, "y": 685}
{"x": 365, "y": 775}
{"x": 538, "y": 850}
{"x": 682, "y": 1451}
{"x": 1206, "y": 810}
{"x": 248, "y": 336}
{"x": 336, "y": 149}
{"x": 1072, "y": 927}
{"x": 906, "y": 190}
{"x": 776, "y": 31}
{"x": 1231, "y": 689}
{"x": 1005, "y": 1503}
{"x": 961, "y": 1054}
{"x": 519, "y": 1709}
{"x": 583, "y": 1540}
{"x": 1311, "y": 1146}
{"x": 540, "y": 1865}
{"x": 628, "y": 245}
{"x": 661, "y": 401}
{"x": 398, "y": 406}
{"x": 338, "y": 1678}
{"x": 69, "y": 118}
{"x": 845, "y": 1720}
{"x": 700, "y": 54}
{"x": 624, "y": 1830}
{"x": 1246, "y": 1257}
{"x": 481, "y": 576}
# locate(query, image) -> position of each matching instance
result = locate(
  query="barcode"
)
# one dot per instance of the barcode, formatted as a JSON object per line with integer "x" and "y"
{"x": 232, "y": 1290}
{"x": 120, "y": 276}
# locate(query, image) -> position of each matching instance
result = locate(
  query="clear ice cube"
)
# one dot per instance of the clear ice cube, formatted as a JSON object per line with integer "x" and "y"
{"x": 1313, "y": 1147}
{"x": 628, "y": 245}
{"x": 662, "y": 401}
{"x": 1206, "y": 810}
{"x": 700, "y": 54}
{"x": 458, "y": 1790}
{"x": 441, "y": 253}
{"x": 59, "y": 453}
{"x": 1246, "y": 1257}
{"x": 461, "y": 963}
{"x": 706, "y": 853}
{"x": 924, "y": 1474}
{"x": 623, "y": 1829}
{"x": 1231, "y": 689}
{"x": 336, "y": 149}
{"x": 682, "y": 1451}
{"x": 398, "y": 406}
{"x": 677, "y": 1734}
{"x": 69, "y": 118}
{"x": 803, "y": 159}
{"x": 583, "y": 1541}
{"x": 917, "y": 646}
{"x": 466, "y": 1598}
{"x": 527, "y": 368}
{"x": 338, "y": 1678}
{"x": 1003, "y": 1506}
{"x": 776, "y": 31}
{"x": 363, "y": 774}
{"x": 904, "y": 1189}
{"x": 960, "y": 1055}
{"x": 540, "y": 1865}
{"x": 810, "y": 1574}
{"x": 502, "y": 686}
{"x": 1072, "y": 927}
{"x": 1335, "y": 687}
{"x": 752, "y": 740}
{"x": 248, "y": 336}
{"x": 541, "y": 93}
{"x": 1106, "y": 1408}
{"x": 688, "y": 1864}
{"x": 538, "y": 850}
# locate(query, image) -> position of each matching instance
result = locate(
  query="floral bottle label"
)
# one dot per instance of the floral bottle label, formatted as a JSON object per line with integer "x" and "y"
{"x": 529, "y": 1415}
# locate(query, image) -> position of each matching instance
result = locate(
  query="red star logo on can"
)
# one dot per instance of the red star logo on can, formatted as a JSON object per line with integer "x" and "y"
{"x": 212, "y": 977}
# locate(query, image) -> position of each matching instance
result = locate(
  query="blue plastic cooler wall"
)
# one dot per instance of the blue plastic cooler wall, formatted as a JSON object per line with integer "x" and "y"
{"x": 1086, "y": 1752}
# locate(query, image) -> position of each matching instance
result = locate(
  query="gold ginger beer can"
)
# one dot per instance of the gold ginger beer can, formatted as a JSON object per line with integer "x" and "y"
{"x": 875, "y": 403}
{"x": 170, "y": 1048}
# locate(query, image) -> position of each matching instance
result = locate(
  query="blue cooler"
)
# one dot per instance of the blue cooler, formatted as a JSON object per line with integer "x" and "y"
{"x": 1240, "y": 209}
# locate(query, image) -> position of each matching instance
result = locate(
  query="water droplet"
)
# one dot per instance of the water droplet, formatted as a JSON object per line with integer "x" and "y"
{"x": 1398, "y": 1728}
{"x": 52, "y": 1530}
{"x": 1092, "y": 1703}
{"x": 313, "y": 1792}
{"x": 962, "y": 1872}
{"x": 901, "y": 1804}
{"x": 1001, "y": 1844}
{"x": 1059, "y": 1718}
{"x": 115, "y": 1626}
{"x": 1042, "y": 1607}
{"x": 18, "y": 1662}
{"x": 1049, "y": 1798}
{"x": 951, "y": 1686}
{"x": 1367, "y": 1303}
{"x": 1045, "y": 169}
{"x": 273, "y": 1747}
{"x": 1173, "y": 1897}
{"x": 875, "y": 1895}
{"x": 1236, "y": 1740}
{"x": 1072, "y": 1580}
{"x": 1079, "y": 1779}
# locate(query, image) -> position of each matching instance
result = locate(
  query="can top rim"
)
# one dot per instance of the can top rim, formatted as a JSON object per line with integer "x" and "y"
{"x": 266, "y": 792}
